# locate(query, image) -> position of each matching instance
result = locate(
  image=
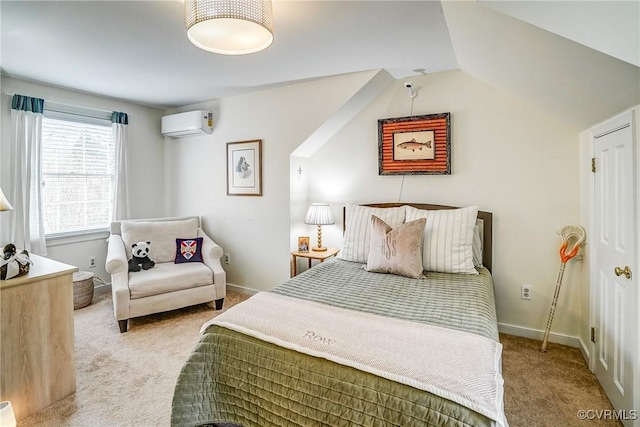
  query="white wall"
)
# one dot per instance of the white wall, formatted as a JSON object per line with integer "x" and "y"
{"x": 507, "y": 157}
{"x": 146, "y": 159}
{"x": 255, "y": 231}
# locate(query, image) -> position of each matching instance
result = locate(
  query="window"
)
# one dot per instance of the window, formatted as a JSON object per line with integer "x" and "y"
{"x": 77, "y": 173}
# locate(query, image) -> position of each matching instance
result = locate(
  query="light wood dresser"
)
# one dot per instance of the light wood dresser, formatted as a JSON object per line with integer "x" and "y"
{"x": 37, "y": 365}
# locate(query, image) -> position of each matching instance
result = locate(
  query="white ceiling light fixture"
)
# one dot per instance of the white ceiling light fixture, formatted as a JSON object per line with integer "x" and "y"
{"x": 229, "y": 27}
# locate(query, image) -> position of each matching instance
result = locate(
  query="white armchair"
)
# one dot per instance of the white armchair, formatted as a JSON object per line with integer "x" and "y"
{"x": 166, "y": 286}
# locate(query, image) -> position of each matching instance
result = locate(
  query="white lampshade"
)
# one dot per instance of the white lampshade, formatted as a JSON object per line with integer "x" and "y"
{"x": 319, "y": 214}
{"x": 4, "y": 203}
{"x": 229, "y": 27}
{"x": 7, "y": 417}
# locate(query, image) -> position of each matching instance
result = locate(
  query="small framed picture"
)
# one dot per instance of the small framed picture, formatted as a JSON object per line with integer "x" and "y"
{"x": 414, "y": 145}
{"x": 244, "y": 168}
{"x": 303, "y": 244}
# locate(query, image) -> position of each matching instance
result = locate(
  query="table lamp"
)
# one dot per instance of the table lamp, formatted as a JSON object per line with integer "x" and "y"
{"x": 319, "y": 214}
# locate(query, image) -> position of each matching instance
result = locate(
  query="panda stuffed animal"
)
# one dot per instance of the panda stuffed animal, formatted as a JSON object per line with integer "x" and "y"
{"x": 140, "y": 257}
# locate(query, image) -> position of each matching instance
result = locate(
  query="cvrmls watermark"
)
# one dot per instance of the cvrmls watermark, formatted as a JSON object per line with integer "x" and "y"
{"x": 607, "y": 414}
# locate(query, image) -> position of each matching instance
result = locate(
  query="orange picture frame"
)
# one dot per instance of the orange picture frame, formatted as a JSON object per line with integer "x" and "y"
{"x": 415, "y": 145}
{"x": 303, "y": 244}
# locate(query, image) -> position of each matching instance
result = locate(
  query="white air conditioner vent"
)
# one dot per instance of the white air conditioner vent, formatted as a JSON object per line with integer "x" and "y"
{"x": 191, "y": 123}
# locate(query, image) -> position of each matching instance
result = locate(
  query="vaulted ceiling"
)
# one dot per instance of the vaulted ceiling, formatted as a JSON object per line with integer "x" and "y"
{"x": 571, "y": 80}
{"x": 577, "y": 59}
{"x": 138, "y": 50}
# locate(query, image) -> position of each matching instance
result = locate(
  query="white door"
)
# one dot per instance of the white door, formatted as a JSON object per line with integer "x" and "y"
{"x": 614, "y": 239}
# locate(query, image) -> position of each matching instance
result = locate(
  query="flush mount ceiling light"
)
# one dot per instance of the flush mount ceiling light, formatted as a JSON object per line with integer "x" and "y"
{"x": 229, "y": 27}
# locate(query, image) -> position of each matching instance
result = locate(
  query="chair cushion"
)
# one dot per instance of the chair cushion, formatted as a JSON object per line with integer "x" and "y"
{"x": 168, "y": 277}
{"x": 161, "y": 234}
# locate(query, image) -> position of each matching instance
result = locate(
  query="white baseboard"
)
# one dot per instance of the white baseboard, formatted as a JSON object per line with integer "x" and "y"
{"x": 241, "y": 289}
{"x": 584, "y": 349}
{"x": 536, "y": 334}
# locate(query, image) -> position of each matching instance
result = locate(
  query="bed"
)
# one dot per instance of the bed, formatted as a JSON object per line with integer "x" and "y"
{"x": 342, "y": 346}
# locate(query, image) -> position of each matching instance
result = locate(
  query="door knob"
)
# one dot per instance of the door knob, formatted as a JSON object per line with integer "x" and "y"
{"x": 626, "y": 271}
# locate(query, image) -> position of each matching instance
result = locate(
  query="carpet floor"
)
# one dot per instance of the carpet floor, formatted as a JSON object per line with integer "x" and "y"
{"x": 128, "y": 379}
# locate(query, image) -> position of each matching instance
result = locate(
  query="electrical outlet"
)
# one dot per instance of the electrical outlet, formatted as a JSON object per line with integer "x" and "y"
{"x": 227, "y": 258}
{"x": 526, "y": 291}
{"x": 92, "y": 261}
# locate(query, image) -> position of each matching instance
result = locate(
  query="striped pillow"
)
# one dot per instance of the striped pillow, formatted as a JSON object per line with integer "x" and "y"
{"x": 357, "y": 234}
{"x": 477, "y": 243}
{"x": 448, "y": 239}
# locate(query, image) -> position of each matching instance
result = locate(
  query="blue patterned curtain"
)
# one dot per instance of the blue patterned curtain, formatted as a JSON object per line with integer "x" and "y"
{"x": 120, "y": 208}
{"x": 26, "y": 222}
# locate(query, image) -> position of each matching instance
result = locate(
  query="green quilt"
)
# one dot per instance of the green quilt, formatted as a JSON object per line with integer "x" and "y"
{"x": 233, "y": 378}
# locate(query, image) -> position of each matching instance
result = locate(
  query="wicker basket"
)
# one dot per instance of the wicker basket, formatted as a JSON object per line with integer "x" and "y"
{"x": 82, "y": 289}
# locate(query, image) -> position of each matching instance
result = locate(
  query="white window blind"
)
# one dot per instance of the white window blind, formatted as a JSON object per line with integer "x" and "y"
{"x": 77, "y": 173}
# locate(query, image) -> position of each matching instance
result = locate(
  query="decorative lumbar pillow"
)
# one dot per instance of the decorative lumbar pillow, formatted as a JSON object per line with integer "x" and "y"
{"x": 188, "y": 250}
{"x": 448, "y": 239}
{"x": 357, "y": 232}
{"x": 140, "y": 257}
{"x": 396, "y": 251}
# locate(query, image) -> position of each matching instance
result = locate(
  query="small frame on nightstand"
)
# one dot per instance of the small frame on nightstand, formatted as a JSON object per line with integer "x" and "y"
{"x": 303, "y": 244}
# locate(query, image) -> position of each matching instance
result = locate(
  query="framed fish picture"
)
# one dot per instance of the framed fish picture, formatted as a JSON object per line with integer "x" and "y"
{"x": 415, "y": 145}
{"x": 244, "y": 168}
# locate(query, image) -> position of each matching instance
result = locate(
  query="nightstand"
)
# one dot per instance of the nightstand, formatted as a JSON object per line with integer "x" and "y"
{"x": 311, "y": 255}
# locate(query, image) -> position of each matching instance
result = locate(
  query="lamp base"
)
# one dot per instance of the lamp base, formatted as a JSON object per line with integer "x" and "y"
{"x": 318, "y": 249}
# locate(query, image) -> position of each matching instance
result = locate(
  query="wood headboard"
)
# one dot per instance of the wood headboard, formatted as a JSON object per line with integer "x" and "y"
{"x": 486, "y": 217}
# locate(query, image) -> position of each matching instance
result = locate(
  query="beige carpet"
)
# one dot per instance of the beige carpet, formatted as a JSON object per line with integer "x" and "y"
{"x": 548, "y": 389}
{"x": 128, "y": 379}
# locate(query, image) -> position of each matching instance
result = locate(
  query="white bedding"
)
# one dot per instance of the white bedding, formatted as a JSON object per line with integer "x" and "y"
{"x": 461, "y": 367}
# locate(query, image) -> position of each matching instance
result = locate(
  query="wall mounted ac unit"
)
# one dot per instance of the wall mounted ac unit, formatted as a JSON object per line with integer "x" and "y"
{"x": 190, "y": 123}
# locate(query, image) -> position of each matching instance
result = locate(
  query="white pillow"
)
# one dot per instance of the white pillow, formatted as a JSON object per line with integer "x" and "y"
{"x": 448, "y": 239}
{"x": 357, "y": 234}
{"x": 161, "y": 234}
{"x": 477, "y": 243}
